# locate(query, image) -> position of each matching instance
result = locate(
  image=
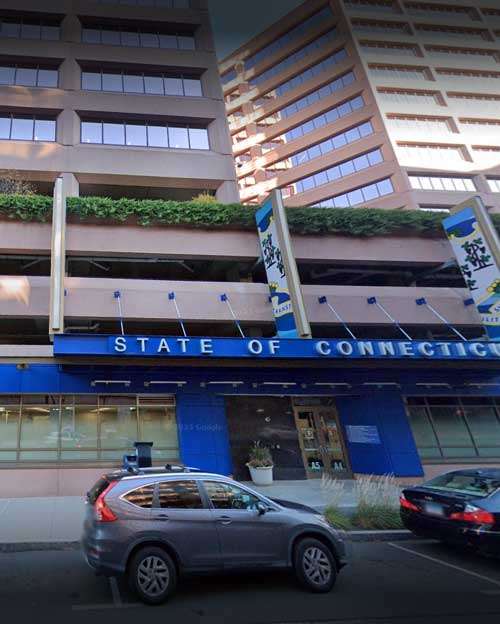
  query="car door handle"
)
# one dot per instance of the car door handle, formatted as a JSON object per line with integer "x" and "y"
{"x": 162, "y": 517}
{"x": 224, "y": 519}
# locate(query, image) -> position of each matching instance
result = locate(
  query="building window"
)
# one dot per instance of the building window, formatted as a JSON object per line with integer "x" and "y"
{"x": 297, "y": 31}
{"x": 494, "y": 184}
{"x": 358, "y": 196}
{"x": 86, "y": 427}
{"x": 482, "y": 128}
{"x": 406, "y": 96}
{"x": 464, "y": 34}
{"x": 386, "y": 47}
{"x": 337, "y": 112}
{"x": 336, "y": 85}
{"x": 487, "y": 102}
{"x": 144, "y": 134}
{"x": 435, "y": 10}
{"x": 341, "y": 170}
{"x": 324, "y": 65}
{"x": 125, "y": 82}
{"x": 27, "y": 128}
{"x": 446, "y": 52}
{"x": 441, "y": 183}
{"x": 455, "y": 428}
{"x": 228, "y": 76}
{"x": 30, "y": 28}
{"x": 420, "y": 124}
{"x": 295, "y": 57}
{"x": 330, "y": 144}
{"x": 412, "y": 153}
{"x": 137, "y": 38}
{"x": 400, "y": 72}
{"x": 379, "y": 6}
{"x": 370, "y": 26}
{"x": 26, "y": 76}
{"x": 469, "y": 74}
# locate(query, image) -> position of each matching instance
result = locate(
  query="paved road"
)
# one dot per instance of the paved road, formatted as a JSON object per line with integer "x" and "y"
{"x": 406, "y": 582}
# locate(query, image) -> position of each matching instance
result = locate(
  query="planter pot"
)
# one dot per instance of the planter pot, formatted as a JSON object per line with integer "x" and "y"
{"x": 261, "y": 476}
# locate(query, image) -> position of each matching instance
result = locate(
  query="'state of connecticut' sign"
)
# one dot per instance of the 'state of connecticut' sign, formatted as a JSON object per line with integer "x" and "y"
{"x": 272, "y": 348}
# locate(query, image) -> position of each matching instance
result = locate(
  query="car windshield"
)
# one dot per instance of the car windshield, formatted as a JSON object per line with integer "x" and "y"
{"x": 471, "y": 484}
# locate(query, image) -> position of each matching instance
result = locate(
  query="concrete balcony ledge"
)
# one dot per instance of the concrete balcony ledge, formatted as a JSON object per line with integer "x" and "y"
{"x": 186, "y": 243}
{"x": 146, "y": 300}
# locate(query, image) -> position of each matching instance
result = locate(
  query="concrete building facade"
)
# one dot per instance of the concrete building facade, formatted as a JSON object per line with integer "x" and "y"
{"x": 124, "y": 100}
{"x": 369, "y": 102}
{"x": 121, "y": 96}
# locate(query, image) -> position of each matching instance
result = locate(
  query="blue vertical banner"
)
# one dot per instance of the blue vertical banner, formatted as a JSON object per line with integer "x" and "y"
{"x": 475, "y": 243}
{"x": 281, "y": 270}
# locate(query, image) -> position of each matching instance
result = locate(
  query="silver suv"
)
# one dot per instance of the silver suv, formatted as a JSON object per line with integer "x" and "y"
{"x": 155, "y": 526}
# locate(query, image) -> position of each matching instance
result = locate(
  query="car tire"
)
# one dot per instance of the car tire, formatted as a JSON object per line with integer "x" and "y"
{"x": 152, "y": 575}
{"x": 314, "y": 565}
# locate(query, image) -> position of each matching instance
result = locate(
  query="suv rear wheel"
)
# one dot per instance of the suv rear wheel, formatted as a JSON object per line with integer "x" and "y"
{"x": 314, "y": 565}
{"x": 152, "y": 575}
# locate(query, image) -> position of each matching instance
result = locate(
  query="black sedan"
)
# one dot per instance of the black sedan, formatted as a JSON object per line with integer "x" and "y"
{"x": 462, "y": 507}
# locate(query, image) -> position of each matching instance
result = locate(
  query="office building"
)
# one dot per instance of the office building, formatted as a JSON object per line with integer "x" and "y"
{"x": 369, "y": 103}
{"x": 112, "y": 330}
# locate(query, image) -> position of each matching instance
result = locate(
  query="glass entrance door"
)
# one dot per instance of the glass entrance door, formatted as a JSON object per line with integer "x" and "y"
{"x": 320, "y": 438}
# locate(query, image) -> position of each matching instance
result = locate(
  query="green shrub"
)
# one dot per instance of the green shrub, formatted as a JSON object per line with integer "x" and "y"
{"x": 259, "y": 456}
{"x": 374, "y": 516}
{"x": 26, "y": 207}
{"x": 208, "y": 214}
{"x": 337, "y": 518}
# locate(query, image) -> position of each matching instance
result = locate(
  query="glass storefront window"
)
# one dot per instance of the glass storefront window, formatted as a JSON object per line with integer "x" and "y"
{"x": 455, "y": 427}
{"x": 157, "y": 423}
{"x": 85, "y": 427}
{"x": 118, "y": 416}
{"x": 485, "y": 428}
{"x": 40, "y": 417}
{"x": 79, "y": 423}
{"x": 424, "y": 435}
{"x": 9, "y": 422}
{"x": 452, "y": 431}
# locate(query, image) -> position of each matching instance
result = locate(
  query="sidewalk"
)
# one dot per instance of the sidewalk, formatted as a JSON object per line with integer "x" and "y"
{"x": 308, "y": 492}
{"x": 59, "y": 519}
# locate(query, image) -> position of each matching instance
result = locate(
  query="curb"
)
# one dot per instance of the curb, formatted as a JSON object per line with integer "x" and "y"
{"x": 37, "y": 546}
{"x": 397, "y": 535}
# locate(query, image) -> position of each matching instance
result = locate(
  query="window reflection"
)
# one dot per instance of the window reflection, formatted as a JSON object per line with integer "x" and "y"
{"x": 85, "y": 427}
{"x": 143, "y": 134}
{"x": 450, "y": 427}
{"x": 40, "y": 422}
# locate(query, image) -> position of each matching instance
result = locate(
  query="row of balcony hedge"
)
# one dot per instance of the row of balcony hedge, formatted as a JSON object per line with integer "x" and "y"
{"x": 212, "y": 215}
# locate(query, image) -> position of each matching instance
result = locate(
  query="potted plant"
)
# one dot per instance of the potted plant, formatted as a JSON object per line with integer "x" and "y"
{"x": 260, "y": 464}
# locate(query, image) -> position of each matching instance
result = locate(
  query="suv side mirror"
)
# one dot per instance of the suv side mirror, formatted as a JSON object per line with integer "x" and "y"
{"x": 261, "y": 508}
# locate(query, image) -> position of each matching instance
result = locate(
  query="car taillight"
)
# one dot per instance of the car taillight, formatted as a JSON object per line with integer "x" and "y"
{"x": 102, "y": 512}
{"x": 473, "y": 514}
{"x": 406, "y": 504}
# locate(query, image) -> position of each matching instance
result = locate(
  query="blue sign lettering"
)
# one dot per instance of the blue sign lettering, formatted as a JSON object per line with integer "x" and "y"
{"x": 272, "y": 348}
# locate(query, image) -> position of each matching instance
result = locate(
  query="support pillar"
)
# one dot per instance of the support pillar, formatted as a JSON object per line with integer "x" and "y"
{"x": 66, "y": 185}
{"x": 227, "y": 193}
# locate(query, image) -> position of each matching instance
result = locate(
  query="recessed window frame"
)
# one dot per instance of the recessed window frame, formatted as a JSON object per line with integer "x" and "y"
{"x": 183, "y": 77}
{"x": 167, "y": 125}
{"x": 136, "y": 37}
{"x": 18, "y": 67}
{"x": 34, "y": 119}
